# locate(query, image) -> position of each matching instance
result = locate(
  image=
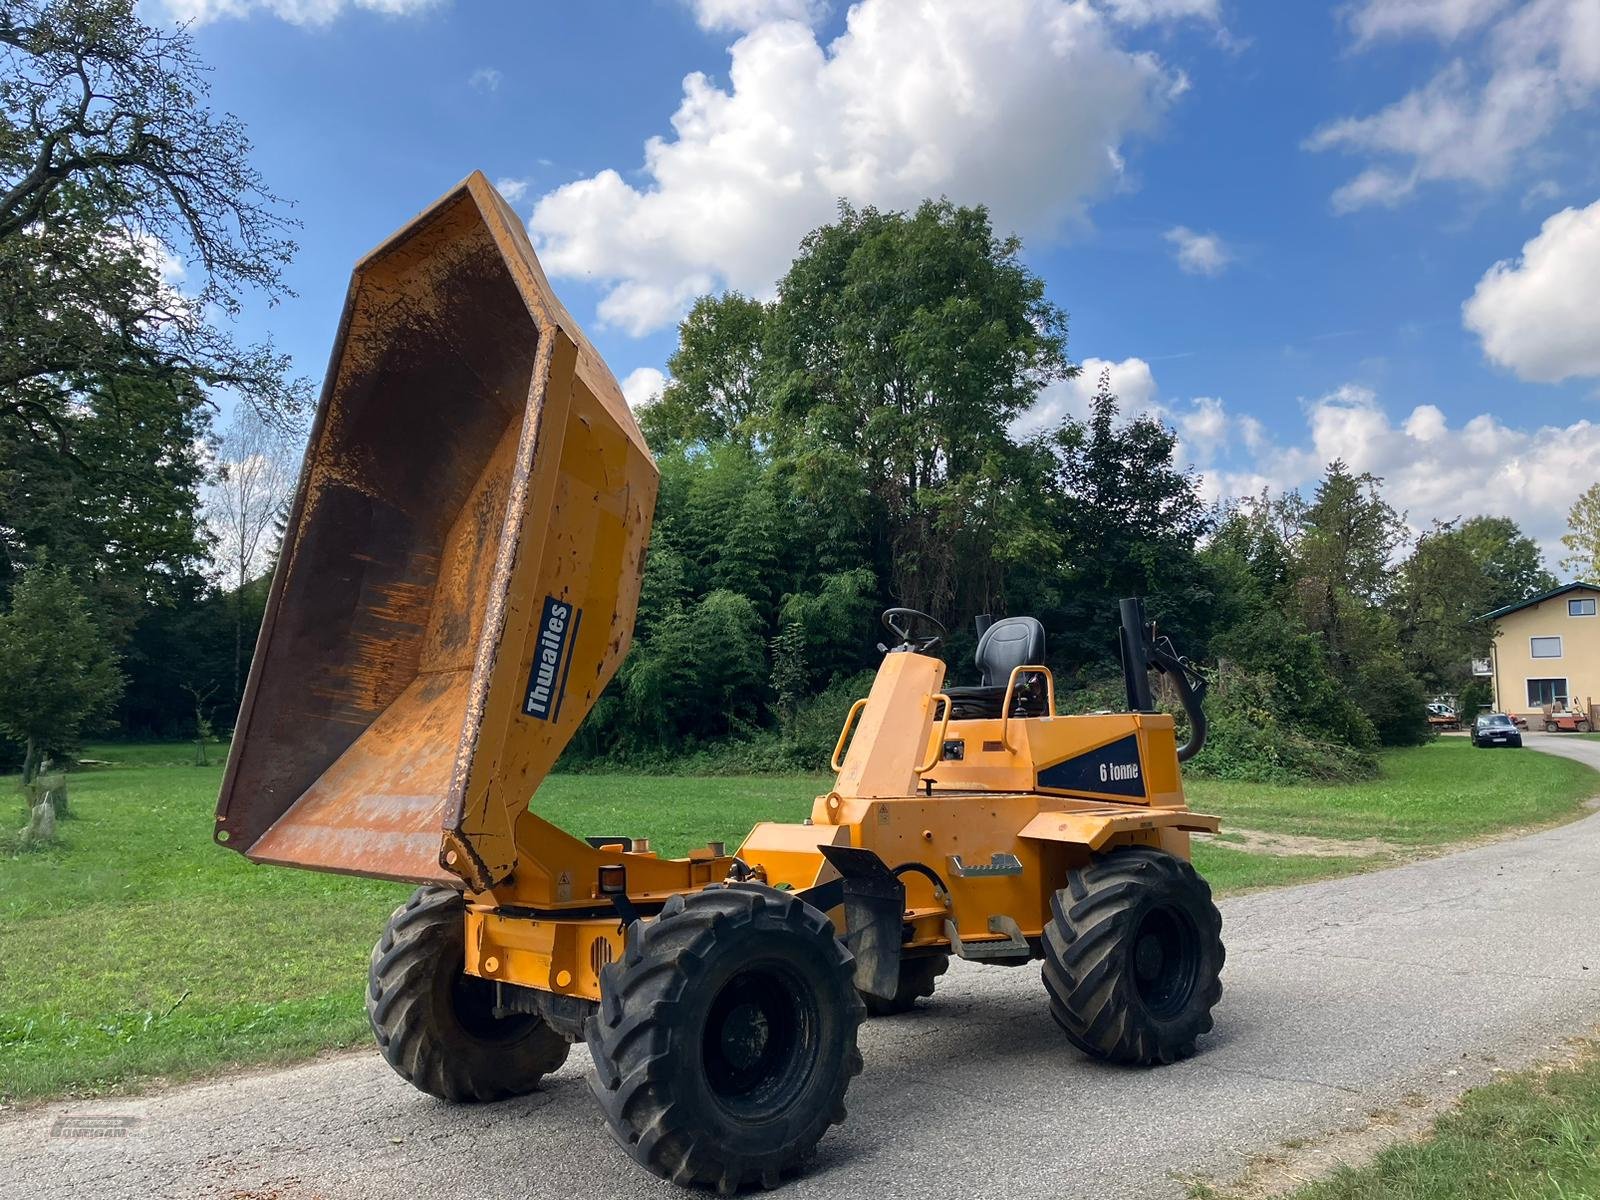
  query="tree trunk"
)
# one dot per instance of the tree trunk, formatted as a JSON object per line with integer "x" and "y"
{"x": 30, "y": 762}
{"x": 41, "y": 827}
{"x": 58, "y": 797}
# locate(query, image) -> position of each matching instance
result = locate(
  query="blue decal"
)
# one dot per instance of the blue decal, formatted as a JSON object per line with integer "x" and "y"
{"x": 1111, "y": 770}
{"x": 547, "y": 680}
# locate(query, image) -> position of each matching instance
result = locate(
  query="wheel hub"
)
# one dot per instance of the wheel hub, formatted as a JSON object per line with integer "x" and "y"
{"x": 745, "y": 1033}
{"x": 1165, "y": 961}
{"x": 758, "y": 1036}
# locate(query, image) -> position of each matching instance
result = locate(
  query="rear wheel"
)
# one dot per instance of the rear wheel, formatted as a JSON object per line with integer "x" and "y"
{"x": 726, "y": 1037}
{"x": 918, "y": 976}
{"x": 435, "y": 1024}
{"x": 1133, "y": 955}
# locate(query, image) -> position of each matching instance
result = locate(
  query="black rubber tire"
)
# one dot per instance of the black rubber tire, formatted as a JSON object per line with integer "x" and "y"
{"x": 682, "y": 1090}
{"x": 1132, "y": 957}
{"x": 917, "y": 979}
{"x": 434, "y": 1022}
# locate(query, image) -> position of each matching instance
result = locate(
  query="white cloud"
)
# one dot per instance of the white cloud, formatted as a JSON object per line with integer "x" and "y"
{"x": 1199, "y": 253}
{"x": 643, "y": 385}
{"x": 1132, "y": 382}
{"x": 1541, "y": 193}
{"x": 296, "y": 12}
{"x": 1480, "y": 117}
{"x": 744, "y": 15}
{"x": 1148, "y": 12}
{"x": 1444, "y": 19}
{"x": 1540, "y": 315}
{"x": 485, "y": 79}
{"x": 512, "y": 189}
{"x": 1431, "y": 469}
{"x": 1020, "y": 104}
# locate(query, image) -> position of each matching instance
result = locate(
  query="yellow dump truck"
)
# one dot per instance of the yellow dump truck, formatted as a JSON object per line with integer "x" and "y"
{"x": 457, "y": 585}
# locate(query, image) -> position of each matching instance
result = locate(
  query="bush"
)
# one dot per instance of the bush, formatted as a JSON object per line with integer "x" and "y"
{"x": 1239, "y": 748}
{"x": 1394, "y": 702}
{"x": 750, "y": 751}
{"x": 1251, "y": 736}
{"x": 1476, "y": 696}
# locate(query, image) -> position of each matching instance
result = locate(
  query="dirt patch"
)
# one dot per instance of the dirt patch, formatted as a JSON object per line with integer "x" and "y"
{"x": 1257, "y": 842}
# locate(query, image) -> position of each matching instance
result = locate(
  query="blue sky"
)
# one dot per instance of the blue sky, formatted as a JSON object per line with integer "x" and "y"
{"x": 1277, "y": 223}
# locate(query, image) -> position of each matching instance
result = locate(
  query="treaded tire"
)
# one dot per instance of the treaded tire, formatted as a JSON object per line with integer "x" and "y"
{"x": 917, "y": 979}
{"x": 435, "y": 1024}
{"x": 1132, "y": 957}
{"x": 726, "y": 1037}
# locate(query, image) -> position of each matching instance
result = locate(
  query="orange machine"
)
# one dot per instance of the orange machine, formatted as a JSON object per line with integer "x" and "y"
{"x": 457, "y": 585}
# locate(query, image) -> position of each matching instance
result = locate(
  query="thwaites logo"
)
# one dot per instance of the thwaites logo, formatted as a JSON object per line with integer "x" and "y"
{"x": 552, "y": 659}
{"x": 1111, "y": 770}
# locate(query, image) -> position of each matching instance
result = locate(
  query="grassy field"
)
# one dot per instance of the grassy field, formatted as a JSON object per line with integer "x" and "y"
{"x": 1444, "y": 792}
{"x": 139, "y": 948}
{"x": 1530, "y": 1136}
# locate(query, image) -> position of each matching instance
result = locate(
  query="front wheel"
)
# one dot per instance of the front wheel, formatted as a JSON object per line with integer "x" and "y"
{"x": 435, "y": 1024}
{"x": 1132, "y": 957}
{"x": 726, "y": 1037}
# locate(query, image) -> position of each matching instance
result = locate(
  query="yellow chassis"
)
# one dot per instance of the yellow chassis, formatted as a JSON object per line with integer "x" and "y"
{"x": 999, "y": 810}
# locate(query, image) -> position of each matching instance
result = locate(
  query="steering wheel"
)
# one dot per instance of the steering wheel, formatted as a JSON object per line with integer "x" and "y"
{"x": 903, "y": 622}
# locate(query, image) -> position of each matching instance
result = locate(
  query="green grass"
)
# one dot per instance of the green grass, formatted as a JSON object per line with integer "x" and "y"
{"x": 1444, "y": 792}
{"x": 1530, "y": 1136}
{"x": 1229, "y": 870}
{"x": 138, "y": 948}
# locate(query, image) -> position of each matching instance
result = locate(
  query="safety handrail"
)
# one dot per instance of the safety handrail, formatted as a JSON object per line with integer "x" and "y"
{"x": 837, "y": 761}
{"x": 1011, "y": 688}
{"x": 938, "y": 742}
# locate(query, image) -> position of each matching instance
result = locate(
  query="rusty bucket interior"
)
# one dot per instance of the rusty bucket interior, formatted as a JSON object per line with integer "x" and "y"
{"x": 475, "y": 502}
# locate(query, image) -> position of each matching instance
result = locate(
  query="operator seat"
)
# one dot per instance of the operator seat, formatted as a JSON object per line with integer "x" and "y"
{"x": 1006, "y": 645}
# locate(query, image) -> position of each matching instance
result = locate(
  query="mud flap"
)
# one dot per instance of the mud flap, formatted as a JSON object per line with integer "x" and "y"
{"x": 874, "y": 902}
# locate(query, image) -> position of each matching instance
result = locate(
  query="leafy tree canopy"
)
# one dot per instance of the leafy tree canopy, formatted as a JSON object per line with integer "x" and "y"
{"x": 56, "y": 672}
{"x": 1582, "y": 539}
{"x": 112, "y": 165}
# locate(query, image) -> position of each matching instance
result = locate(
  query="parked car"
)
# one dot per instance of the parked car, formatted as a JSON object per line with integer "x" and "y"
{"x": 1495, "y": 729}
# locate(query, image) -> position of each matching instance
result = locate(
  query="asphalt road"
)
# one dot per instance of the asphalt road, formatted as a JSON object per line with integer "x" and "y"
{"x": 1341, "y": 998}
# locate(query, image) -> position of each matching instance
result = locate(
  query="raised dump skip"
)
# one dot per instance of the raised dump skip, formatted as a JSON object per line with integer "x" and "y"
{"x": 461, "y": 571}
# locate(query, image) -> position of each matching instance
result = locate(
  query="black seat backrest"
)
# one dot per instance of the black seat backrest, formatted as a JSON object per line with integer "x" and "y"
{"x": 1006, "y": 645}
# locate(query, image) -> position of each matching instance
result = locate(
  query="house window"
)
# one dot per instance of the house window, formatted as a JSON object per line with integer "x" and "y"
{"x": 1546, "y": 691}
{"x": 1580, "y": 608}
{"x": 1545, "y": 647}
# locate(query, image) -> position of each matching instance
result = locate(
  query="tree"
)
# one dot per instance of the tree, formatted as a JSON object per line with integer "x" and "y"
{"x": 1347, "y": 537}
{"x": 1510, "y": 560}
{"x": 113, "y": 168}
{"x": 1442, "y": 591}
{"x": 789, "y": 675}
{"x": 1129, "y": 522}
{"x": 56, "y": 673}
{"x": 255, "y": 478}
{"x": 1582, "y": 538}
{"x": 1453, "y": 576}
{"x": 712, "y": 392}
{"x": 899, "y": 351}
{"x": 121, "y": 512}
